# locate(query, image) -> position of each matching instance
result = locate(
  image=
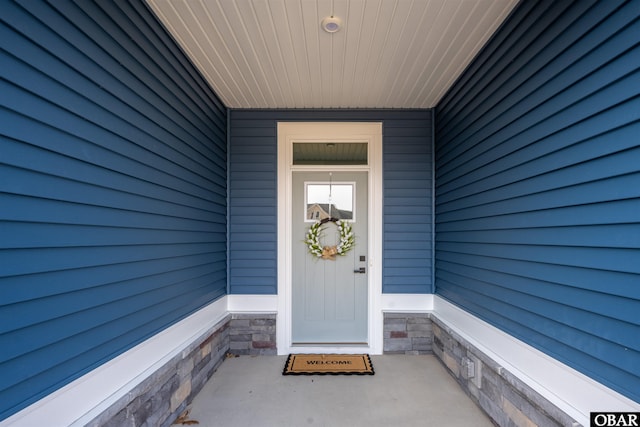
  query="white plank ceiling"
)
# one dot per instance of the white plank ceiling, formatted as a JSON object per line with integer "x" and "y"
{"x": 388, "y": 53}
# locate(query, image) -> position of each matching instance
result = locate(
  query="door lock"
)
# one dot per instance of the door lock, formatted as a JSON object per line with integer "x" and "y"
{"x": 361, "y": 270}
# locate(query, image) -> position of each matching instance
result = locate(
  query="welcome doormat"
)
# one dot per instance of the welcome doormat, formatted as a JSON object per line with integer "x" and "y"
{"x": 328, "y": 364}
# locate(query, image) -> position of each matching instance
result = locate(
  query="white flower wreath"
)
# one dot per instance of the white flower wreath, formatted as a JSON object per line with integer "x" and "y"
{"x": 312, "y": 239}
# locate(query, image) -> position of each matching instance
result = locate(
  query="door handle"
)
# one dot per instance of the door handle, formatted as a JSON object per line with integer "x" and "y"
{"x": 361, "y": 270}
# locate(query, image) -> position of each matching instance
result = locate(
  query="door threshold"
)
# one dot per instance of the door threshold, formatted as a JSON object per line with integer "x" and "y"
{"x": 330, "y": 344}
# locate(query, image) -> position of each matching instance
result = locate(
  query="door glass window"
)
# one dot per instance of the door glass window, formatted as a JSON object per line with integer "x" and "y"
{"x": 329, "y": 200}
{"x": 329, "y": 153}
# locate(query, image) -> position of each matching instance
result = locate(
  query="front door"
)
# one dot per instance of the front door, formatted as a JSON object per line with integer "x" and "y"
{"x": 329, "y": 290}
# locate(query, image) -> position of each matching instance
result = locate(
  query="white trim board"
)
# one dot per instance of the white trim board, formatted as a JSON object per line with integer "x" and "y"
{"x": 410, "y": 303}
{"x": 252, "y": 303}
{"x": 407, "y": 303}
{"x": 82, "y": 400}
{"x": 571, "y": 391}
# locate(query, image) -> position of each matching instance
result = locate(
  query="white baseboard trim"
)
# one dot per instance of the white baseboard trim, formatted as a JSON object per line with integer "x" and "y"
{"x": 571, "y": 391}
{"x": 413, "y": 303}
{"x": 82, "y": 400}
{"x": 252, "y": 303}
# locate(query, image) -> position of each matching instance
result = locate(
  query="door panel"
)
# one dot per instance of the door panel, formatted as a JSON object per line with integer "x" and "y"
{"x": 329, "y": 299}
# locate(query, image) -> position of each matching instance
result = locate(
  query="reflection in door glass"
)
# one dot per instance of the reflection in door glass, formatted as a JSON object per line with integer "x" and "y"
{"x": 326, "y": 200}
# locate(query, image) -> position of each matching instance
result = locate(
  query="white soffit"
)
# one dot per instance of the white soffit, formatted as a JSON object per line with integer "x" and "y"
{"x": 387, "y": 54}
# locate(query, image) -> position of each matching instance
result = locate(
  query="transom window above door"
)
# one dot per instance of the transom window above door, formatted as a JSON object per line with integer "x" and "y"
{"x": 330, "y": 153}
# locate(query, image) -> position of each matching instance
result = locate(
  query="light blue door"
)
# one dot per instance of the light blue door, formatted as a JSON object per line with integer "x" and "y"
{"x": 329, "y": 296}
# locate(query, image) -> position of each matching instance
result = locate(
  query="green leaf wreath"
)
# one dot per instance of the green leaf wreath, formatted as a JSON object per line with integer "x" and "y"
{"x": 312, "y": 239}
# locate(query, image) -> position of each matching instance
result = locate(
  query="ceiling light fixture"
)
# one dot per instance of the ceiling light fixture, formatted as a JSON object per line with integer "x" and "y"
{"x": 331, "y": 24}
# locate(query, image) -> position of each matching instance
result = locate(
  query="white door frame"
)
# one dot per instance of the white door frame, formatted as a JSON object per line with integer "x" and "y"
{"x": 289, "y": 132}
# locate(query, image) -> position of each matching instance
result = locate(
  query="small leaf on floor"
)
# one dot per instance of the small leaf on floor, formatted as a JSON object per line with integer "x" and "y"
{"x": 184, "y": 419}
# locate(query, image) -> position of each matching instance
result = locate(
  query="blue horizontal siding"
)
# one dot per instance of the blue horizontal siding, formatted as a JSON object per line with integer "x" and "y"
{"x": 407, "y": 182}
{"x": 407, "y": 205}
{"x": 252, "y": 206}
{"x": 538, "y": 186}
{"x": 112, "y": 189}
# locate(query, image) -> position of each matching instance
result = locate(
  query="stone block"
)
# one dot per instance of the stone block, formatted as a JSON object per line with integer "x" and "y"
{"x": 395, "y": 320}
{"x": 426, "y": 327}
{"x": 240, "y": 324}
{"x": 490, "y": 385}
{"x": 419, "y": 320}
{"x": 516, "y": 415}
{"x": 420, "y": 334}
{"x": 493, "y": 410}
{"x": 239, "y": 337}
{"x": 185, "y": 367}
{"x": 399, "y": 344}
{"x": 180, "y": 395}
{"x": 199, "y": 378}
{"x": 395, "y": 327}
{"x": 451, "y": 364}
{"x": 160, "y": 405}
{"x": 202, "y": 365}
{"x": 263, "y": 344}
{"x": 262, "y": 337}
{"x": 437, "y": 330}
{"x": 437, "y": 342}
{"x": 263, "y": 322}
{"x": 205, "y": 350}
{"x": 458, "y": 351}
{"x": 239, "y": 345}
{"x": 421, "y": 344}
{"x": 144, "y": 413}
{"x": 263, "y": 329}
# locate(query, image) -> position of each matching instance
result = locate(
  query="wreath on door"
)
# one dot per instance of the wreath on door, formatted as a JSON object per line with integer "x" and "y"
{"x": 316, "y": 248}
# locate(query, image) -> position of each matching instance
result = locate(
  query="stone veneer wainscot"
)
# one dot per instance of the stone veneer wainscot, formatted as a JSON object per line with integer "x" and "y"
{"x": 166, "y": 393}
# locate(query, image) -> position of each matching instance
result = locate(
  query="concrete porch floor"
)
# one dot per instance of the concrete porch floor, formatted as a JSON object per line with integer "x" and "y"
{"x": 405, "y": 391}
